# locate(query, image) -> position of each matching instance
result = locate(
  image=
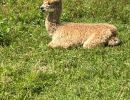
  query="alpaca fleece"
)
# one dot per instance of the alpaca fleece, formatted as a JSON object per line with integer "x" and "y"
{"x": 66, "y": 35}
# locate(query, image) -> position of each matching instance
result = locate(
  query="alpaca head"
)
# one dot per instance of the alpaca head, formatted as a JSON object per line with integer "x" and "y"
{"x": 51, "y": 5}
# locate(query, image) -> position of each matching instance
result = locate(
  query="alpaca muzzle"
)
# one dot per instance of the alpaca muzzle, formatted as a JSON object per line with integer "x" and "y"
{"x": 42, "y": 8}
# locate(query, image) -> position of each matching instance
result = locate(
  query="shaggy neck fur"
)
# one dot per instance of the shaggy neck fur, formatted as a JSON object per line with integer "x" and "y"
{"x": 53, "y": 19}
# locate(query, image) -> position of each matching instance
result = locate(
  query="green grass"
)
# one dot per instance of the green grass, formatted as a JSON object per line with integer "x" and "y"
{"x": 29, "y": 70}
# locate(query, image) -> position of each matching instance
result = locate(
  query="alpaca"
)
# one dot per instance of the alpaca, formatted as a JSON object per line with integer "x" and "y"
{"x": 66, "y": 35}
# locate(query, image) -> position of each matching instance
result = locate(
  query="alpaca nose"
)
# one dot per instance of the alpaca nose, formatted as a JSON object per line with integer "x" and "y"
{"x": 42, "y": 8}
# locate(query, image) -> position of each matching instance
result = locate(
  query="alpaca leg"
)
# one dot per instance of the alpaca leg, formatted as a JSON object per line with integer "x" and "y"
{"x": 91, "y": 43}
{"x": 55, "y": 41}
{"x": 59, "y": 43}
{"x": 53, "y": 44}
{"x": 96, "y": 40}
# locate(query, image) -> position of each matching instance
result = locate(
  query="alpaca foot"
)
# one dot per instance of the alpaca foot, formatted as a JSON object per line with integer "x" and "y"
{"x": 114, "y": 41}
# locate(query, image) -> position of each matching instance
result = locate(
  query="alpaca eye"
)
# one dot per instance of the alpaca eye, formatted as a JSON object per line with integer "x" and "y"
{"x": 49, "y": 3}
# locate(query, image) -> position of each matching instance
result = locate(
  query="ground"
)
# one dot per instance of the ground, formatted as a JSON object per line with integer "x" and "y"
{"x": 29, "y": 70}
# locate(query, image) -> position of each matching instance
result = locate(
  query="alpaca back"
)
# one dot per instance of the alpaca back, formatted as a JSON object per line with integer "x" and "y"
{"x": 83, "y": 29}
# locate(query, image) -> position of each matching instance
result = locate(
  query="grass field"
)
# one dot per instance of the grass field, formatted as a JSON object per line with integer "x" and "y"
{"x": 29, "y": 70}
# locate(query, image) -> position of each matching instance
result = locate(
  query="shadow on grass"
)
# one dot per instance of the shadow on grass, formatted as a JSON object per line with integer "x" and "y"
{"x": 4, "y": 41}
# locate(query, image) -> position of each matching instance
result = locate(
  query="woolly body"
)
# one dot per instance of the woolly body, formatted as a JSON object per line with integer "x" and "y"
{"x": 66, "y": 35}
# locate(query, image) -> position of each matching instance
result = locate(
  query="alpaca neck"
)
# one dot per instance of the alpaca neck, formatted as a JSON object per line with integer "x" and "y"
{"x": 51, "y": 23}
{"x": 53, "y": 20}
